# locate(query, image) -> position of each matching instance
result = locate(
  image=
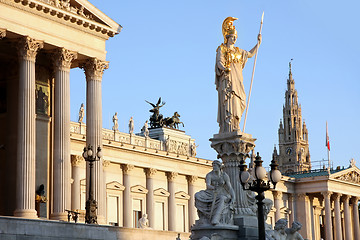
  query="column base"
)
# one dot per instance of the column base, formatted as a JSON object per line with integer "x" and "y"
{"x": 26, "y": 213}
{"x": 62, "y": 216}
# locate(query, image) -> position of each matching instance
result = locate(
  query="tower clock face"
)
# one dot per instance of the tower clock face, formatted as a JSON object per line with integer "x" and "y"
{"x": 289, "y": 151}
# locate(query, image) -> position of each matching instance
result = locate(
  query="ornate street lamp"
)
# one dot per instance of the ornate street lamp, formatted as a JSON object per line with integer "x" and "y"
{"x": 260, "y": 185}
{"x": 91, "y": 204}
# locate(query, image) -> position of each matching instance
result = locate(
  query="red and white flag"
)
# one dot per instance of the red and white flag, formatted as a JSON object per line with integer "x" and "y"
{"x": 327, "y": 143}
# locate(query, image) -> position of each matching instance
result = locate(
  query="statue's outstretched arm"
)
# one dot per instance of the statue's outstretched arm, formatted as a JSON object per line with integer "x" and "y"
{"x": 254, "y": 49}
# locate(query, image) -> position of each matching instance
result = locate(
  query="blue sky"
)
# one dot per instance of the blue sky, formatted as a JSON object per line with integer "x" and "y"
{"x": 167, "y": 49}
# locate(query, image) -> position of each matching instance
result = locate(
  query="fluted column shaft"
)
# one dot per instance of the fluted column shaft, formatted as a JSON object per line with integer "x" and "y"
{"x": 76, "y": 162}
{"x": 347, "y": 218}
{"x": 338, "y": 229}
{"x": 26, "y": 146}
{"x": 150, "y": 172}
{"x": 172, "y": 203}
{"x": 356, "y": 225}
{"x": 302, "y": 212}
{"x": 277, "y": 204}
{"x": 127, "y": 198}
{"x": 62, "y": 165}
{"x": 93, "y": 70}
{"x": 328, "y": 222}
{"x": 192, "y": 210}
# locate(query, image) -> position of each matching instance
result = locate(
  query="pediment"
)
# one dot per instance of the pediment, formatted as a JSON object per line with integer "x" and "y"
{"x": 139, "y": 189}
{"x": 182, "y": 195}
{"x": 351, "y": 175}
{"x": 79, "y": 12}
{"x": 115, "y": 186}
{"x": 161, "y": 192}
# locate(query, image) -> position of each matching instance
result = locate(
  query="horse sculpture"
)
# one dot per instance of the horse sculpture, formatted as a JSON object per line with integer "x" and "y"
{"x": 174, "y": 121}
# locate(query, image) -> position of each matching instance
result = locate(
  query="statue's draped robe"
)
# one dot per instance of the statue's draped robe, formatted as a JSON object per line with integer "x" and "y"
{"x": 231, "y": 93}
{"x": 207, "y": 201}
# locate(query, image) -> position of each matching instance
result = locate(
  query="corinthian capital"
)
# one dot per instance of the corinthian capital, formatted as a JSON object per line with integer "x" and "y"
{"x": 94, "y": 69}
{"x": 191, "y": 179}
{"x": 76, "y": 160}
{"x": 171, "y": 176}
{"x": 62, "y": 58}
{"x": 127, "y": 168}
{"x": 28, "y": 48}
{"x": 150, "y": 172}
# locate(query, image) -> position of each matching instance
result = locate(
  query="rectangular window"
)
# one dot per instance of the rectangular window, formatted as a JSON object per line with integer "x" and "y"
{"x": 83, "y": 200}
{"x": 137, "y": 212}
{"x": 113, "y": 210}
{"x": 180, "y": 218}
{"x": 159, "y": 217}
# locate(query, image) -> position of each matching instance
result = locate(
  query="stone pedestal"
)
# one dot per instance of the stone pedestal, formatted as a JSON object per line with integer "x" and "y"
{"x": 225, "y": 232}
{"x": 233, "y": 148}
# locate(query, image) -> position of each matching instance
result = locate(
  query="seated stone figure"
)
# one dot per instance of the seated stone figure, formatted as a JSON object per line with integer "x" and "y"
{"x": 279, "y": 230}
{"x": 215, "y": 204}
{"x": 144, "y": 222}
{"x": 292, "y": 233}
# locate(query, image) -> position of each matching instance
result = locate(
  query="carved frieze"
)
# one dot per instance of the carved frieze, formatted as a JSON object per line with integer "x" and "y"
{"x": 353, "y": 177}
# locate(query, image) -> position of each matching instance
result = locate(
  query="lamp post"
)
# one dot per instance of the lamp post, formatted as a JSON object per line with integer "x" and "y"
{"x": 259, "y": 185}
{"x": 91, "y": 204}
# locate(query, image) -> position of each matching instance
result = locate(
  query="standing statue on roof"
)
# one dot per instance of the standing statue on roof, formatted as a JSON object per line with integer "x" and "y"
{"x": 230, "y": 61}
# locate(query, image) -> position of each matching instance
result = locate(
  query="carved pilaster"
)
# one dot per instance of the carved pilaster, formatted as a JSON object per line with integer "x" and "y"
{"x": 150, "y": 172}
{"x": 28, "y": 48}
{"x": 63, "y": 58}
{"x": 94, "y": 69}
{"x": 76, "y": 160}
{"x": 2, "y": 33}
{"x": 127, "y": 168}
{"x": 191, "y": 179}
{"x": 171, "y": 176}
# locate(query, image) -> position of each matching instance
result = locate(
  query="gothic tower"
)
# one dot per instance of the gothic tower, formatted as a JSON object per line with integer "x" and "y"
{"x": 294, "y": 155}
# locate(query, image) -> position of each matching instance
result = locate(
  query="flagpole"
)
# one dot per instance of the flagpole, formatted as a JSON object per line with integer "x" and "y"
{"x": 252, "y": 77}
{"x": 328, "y": 146}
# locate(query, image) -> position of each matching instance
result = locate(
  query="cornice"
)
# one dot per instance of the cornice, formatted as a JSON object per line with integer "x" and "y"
{"x": 56, "y": 14}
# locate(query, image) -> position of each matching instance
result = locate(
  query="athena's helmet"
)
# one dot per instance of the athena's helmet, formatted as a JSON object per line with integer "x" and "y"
{"x": 228, "y": 28}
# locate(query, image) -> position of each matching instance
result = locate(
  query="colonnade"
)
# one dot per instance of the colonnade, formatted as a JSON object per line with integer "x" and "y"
{"x": 27, "y": 49}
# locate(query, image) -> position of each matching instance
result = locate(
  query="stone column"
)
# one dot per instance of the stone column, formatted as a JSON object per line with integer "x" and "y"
{"x": 328, "y": 222}
{"x": 61, "y": 164}
{"x": 25, "y": 173}
{"x": 94, "y": 70}
{"x": 192, "y": 210}
{"x": 291, "y": 208}
{"x": 172, "y": 203}
{"x": 76, "y": 162}
{"x": 347, "y": 217}
{"x": 311, "y": 199}
{"x": 127, "y": 198}
{"x": 338, "y": 229}
{"x": 303, "y": 212}
{"x": 356, "y": 226}
{"x": 277, "y": 204}
{"x": 150, "y": 173}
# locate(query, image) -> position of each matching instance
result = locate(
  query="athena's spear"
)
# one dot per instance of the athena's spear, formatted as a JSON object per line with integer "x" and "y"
{"x": 252, "y": 77}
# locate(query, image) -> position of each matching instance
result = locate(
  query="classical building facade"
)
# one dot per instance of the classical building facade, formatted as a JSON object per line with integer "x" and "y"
{"x": 43, "y": 173}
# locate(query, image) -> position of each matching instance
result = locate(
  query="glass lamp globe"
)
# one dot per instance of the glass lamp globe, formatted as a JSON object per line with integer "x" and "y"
{"x": 99, "y": 154}
{"x": 85, "y": 155}
{"x": 260, "y": 172}
{"x": 245, "y": 176}
{"x": 89, "y": 152}
{"x": 276, "y": 176}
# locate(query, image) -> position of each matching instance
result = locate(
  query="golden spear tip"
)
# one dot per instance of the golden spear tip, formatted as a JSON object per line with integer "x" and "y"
{"x": 262, "y": 17}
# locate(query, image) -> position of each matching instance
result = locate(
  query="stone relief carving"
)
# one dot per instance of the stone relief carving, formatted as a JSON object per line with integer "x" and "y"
{"x": 66, "y": 5}
{"x": 215, "y": 204}
{"x": 350, "y": 177}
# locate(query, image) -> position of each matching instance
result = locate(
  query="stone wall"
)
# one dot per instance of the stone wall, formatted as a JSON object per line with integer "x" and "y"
{"x": 12, "y": 228}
